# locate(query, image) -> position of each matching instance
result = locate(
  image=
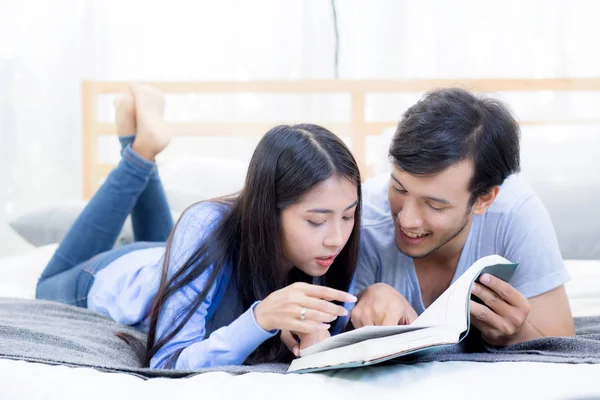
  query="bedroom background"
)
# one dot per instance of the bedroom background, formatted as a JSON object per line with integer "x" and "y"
{"x": 48, "y": 48}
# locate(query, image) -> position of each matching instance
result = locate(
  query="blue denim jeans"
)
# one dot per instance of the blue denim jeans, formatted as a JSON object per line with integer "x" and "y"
{"x": 133, "y": 187}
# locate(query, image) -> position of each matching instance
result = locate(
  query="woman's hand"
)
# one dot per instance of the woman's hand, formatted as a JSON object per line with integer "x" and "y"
{"x": 308, "y": 339}
{"x": 297, "y": 341}
{"x": 302, "y": 308}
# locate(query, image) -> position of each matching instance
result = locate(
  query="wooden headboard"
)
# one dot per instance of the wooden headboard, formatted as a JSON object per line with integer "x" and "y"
{"x": 356, "y": 90}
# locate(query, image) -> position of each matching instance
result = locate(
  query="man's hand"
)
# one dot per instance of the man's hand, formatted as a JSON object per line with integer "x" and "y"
{"x": 381, "y": 304}
{"x": 291, "y": 339}
{"x": 503, "y": 319}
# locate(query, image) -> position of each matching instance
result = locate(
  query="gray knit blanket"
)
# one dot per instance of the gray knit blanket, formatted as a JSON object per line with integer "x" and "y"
{"x": 54, "y": 333}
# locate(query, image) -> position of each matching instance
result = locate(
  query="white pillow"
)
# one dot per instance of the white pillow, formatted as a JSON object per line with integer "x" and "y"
{"x": 19, "y": 274}
{"x": 584, "y": 288}
{"x": 191, "y": 180}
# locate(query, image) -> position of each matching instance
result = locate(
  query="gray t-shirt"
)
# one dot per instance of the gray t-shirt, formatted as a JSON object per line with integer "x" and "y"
{"x": 516, "y": 226}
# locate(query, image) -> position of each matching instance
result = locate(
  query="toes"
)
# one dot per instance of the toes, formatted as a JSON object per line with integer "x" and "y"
{"x": 133, "y": 88}
{"x": 118, "y": 101}
{"x": 123, "y": 102}
{"x": 125, "y": 117}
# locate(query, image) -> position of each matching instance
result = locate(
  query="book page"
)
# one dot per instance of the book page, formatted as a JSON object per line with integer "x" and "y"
{"x": 355, "y": 336}
{"x": 377, "y": 349}
{"x": 447, "y": 310}
{"x": 450, "y": 308}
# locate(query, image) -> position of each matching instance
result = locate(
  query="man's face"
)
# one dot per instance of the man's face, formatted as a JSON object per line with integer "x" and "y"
{"x": 430, "y": 212}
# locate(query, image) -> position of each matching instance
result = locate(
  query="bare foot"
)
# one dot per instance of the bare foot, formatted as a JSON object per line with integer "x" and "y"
{"x": 125, "y": 115}
{"x": 152, "y": 136}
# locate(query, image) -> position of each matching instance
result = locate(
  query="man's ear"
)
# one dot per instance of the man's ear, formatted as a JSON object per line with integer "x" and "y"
{"x": 485, "y": 200}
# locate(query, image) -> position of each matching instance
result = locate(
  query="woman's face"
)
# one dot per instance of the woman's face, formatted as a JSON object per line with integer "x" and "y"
{"x": 316, "y": 229}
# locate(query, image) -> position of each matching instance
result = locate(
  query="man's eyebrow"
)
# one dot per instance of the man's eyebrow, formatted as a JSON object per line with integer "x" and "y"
{"x": 436, "y": 199}
{"x": 326, "y": 211}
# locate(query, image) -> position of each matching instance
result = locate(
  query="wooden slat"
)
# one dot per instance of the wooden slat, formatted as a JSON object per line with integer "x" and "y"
{"x": 100, "y": 172}
{"x": 376, "y": 128}
{"x": 89, "y": 143}
{"x": 357, "y": 91}
{"x": 365, "y": 86}
{"x": 358, "y": 130}
{"x": 259, "y": 128}
{"x": 103, "y": 170}
{"x": 221, "y": 128}
{"x": 588, "y": 121}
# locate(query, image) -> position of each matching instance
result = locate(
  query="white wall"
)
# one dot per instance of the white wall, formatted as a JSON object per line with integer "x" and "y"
{"x": 47, "y": 48}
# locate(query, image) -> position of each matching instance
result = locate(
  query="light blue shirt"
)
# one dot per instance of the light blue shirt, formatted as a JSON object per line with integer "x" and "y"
{"x": 516, "y": 226}
{"x": 124, "y": 291}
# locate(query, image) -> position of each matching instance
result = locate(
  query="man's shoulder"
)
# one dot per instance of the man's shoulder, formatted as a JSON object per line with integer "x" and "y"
{"x": 378, "y": 231}
{"x": 514, "y": 193}
{"x": 516, "y": 226}
{"x": 376, "y": 215}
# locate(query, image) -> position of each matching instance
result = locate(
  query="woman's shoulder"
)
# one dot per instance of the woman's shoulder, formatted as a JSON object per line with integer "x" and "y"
{"x": 203, "y": 215}
{"x": 195, "y": 226}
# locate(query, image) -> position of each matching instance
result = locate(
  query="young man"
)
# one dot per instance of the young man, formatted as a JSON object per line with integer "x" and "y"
{"x": 451, "y": 200}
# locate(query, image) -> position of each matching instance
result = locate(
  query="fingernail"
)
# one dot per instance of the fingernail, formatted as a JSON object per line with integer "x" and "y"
{"x": 295, "y": 351}
{"x": 485, "y": 278}
{"x": 474, "y": 289}
{"x": 353, "y": 299}
{"x": 344, "y": 313}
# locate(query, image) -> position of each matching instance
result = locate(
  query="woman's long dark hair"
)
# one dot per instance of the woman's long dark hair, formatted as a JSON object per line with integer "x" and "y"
{"x": 287, "y": 163}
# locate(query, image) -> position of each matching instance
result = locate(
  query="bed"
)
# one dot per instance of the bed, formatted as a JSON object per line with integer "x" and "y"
{"x": 18, "y": 274}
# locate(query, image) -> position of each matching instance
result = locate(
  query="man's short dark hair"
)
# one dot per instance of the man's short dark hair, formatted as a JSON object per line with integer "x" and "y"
{"x": 451, "y": 125}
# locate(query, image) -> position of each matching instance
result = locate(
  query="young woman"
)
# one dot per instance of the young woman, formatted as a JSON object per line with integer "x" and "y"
{"x": 234, "y": 272}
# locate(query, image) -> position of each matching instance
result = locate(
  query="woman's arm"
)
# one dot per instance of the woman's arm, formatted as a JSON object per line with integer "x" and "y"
{"x": 229, "y": 345}
{"x": 190, "y": 348}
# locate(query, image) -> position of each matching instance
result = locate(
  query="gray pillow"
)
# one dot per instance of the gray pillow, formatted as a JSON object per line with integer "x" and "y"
{"x": 50, "y": 224}
{"x": 575, "y": 216}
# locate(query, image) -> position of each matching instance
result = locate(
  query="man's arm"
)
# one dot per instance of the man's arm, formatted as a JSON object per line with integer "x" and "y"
{"x": 536, "y": 304}
{"x": 550, "y": 313}
{"x": 509, "y": 318}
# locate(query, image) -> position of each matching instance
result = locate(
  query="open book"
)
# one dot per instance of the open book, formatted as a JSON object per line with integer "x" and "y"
{"x": 446, "y": 321}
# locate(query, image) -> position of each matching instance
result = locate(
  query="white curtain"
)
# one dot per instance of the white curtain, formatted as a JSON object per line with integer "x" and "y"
{"x": 48, "y": 47}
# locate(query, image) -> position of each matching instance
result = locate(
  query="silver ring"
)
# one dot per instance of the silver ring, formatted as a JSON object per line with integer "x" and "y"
{"x": 303, "y": 314}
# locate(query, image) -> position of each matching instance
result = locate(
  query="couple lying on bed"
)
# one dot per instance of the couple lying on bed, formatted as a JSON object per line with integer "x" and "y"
{"x": 255, "y": 276}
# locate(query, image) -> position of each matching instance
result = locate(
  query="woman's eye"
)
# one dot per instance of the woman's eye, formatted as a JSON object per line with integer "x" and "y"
{"x": 348, "y": 218}
{"x": 401, "y": 191}
{"x": 315, "y": 223}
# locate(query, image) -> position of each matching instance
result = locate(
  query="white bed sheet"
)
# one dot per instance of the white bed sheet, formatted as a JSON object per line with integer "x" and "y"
{"x": 432, "y": 380}
{"x": 460, "y": 380}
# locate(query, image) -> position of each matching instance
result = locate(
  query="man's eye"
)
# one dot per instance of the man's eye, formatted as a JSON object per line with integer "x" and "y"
{"x": 435, "y": 208}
